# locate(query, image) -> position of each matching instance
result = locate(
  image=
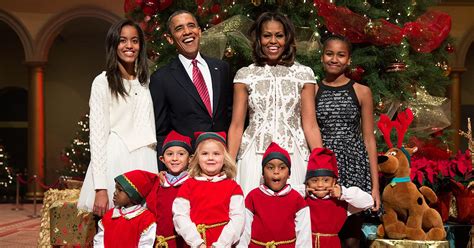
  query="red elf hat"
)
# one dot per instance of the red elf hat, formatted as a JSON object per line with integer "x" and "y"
{"x": 322, "y": 162}
{"x": 137, "y": 184}
{"x": 201, "y": 136}
{"x": 176, "y": 139}
{"x": 274, "y": 151}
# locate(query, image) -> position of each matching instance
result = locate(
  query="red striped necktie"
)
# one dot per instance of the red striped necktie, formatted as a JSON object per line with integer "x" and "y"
{"x": 201, "y": 87}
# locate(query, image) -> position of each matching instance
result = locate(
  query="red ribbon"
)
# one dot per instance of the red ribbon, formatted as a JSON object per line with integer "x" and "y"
{"x": 424, "y": 35}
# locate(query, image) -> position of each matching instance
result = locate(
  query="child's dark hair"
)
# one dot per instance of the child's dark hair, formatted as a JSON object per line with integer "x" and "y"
{"x": 289, "y": 53}
{"x": 112, "y": 40}
{"x": 338, "y": 38}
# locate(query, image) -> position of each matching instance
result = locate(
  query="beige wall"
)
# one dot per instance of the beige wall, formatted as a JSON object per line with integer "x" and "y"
{"x": 34, "y": 14}
{"x": 69, "y": 38}
{"x": 463, "y": 31}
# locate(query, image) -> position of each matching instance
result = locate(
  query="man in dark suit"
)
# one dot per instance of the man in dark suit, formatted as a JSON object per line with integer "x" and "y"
{"x": 181, "y": 101}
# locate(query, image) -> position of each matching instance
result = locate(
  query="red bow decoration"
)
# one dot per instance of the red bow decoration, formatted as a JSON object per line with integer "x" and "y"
{"x": 401, "y": 124}
{"x": 424, "y": 35}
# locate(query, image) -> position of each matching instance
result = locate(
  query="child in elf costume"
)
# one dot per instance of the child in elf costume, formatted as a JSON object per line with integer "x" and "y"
{"x": 329, "y": 203}
{"x": 176, "y": 154}
{"x": 129, "y": 223}
{"x": 276, "y": 215}
{"x": 209, "y": 208}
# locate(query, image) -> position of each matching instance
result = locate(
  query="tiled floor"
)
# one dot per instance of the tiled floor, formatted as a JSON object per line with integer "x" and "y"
{"x": 18, "y": 229}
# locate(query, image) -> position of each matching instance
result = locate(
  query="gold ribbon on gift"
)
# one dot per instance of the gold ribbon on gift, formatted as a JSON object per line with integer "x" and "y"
{"x": 162, "y": 241}
{"x": 202, "y": 228}
{"x": 395, "y": 243}
{"x": 273, "y": 243}
{"x": 214, "y": 40}
{"x": 317, "y": 243}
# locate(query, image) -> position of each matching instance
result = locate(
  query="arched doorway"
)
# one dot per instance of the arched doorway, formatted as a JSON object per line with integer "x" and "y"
{"x": 75, "y": 57}
{"x": 13, "y": 104}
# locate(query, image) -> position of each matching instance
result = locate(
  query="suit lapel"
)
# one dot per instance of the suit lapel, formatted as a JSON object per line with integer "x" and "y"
{"x": 181, "y": 76}
{"x": 216, "y": 84}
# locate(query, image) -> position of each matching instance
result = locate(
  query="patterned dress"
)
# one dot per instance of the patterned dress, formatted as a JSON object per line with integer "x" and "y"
{"x": 339, "y": 118}
{"x": 274, "y": 104}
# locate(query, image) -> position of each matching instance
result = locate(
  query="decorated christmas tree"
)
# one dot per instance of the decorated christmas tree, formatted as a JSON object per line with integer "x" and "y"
{"x": 7, "y": 176}
{"x": 400, "y": 48}
{"x": 77, "y": 155}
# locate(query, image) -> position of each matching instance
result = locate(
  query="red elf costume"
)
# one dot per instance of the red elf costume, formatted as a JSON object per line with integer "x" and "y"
{"x": 276, "y": 219}
{"x": 161, "y": 197}
{"x": 132, "y": 226}
{"x": 328, "y": 214}
{"x": 209, "y": 209}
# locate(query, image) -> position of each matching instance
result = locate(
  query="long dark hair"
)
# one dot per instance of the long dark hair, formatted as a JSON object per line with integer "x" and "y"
{"x": 288, "y": 56}
{"x": 112, "y": 40}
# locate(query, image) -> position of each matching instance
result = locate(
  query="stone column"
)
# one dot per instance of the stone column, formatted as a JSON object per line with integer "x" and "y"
{"x": 455, "y": 96}
{"x": 35, "y": 127}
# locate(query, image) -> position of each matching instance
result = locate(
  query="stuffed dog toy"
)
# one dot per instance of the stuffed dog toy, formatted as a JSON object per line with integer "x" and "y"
{"x": 407, "y": 214}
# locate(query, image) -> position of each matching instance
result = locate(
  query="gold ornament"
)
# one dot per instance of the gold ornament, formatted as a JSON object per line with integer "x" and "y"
{"x": 256, "y": 2}
{"x": 229, "y": 52}
{"x": 372, "y": 28}
{"x": 366, "y": 5}
{"x": 445, "y": 67}
{"x": 380, "y": 106}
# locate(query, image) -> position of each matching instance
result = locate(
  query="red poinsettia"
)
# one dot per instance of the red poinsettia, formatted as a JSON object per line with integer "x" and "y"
{"x": 423, "y": 168}
{"x": 438, "y": 172}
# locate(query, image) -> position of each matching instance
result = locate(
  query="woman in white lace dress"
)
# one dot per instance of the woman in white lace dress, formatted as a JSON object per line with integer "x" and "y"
{"x": 122, "y": 127}
{"x": 279, "y": 95}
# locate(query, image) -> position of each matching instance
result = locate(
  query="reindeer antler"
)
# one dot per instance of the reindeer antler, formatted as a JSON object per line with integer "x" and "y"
{"x": 404, "y": 119}
{"x": 385, "y": 125}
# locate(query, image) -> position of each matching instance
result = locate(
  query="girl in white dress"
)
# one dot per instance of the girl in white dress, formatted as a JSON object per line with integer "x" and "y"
{"x": 122, "y": 126}
{"x": 279, "y": 94}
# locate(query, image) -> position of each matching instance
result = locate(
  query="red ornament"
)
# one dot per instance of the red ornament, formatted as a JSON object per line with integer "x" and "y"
{"x": 424, "y": 34}
{"x": 216, "y": 8}
{"x": 199, "y": 2}
{"x": 449, "y": 48}
{"x": 164, "y": 4}
{"x": 199, "y": 10}
{"x": 356, "y": 73}
{"x": 130, "y": 5}
{"x": 216, "y": 19}
{"x": 150, "y": 7}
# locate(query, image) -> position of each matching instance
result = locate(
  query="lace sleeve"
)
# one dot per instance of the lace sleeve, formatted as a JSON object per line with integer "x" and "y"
{"x": 99, "y": 126}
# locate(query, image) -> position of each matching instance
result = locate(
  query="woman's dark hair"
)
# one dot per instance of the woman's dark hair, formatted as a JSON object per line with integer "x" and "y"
{"x": 112, "y": 40}
{"x": 288, "y": 56}
{"x": 339, "y": 38}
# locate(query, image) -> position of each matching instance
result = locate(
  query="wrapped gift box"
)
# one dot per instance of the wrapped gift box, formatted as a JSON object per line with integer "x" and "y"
{"x": 70, "y": 227}
{"x": 62, "y": 224}
{"x": 392, "y": 243}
